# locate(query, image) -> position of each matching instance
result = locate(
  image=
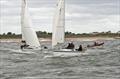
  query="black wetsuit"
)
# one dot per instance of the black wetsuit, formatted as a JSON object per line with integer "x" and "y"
{"x": 80, "y": 48}
{"x": 70, "y": 46}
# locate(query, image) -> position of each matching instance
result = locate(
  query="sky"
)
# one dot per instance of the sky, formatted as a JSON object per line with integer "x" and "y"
{"x": 82, "y": 16}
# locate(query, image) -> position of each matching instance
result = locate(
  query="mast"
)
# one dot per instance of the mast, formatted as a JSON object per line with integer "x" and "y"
{"x": 59, "y": 24}
{"x": 28, "y": 34}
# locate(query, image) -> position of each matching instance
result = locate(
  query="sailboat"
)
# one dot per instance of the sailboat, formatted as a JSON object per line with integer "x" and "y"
{"x": 28, "y": 33}
{"x": 59, "y": 24}
{"x": 59, "y": 32}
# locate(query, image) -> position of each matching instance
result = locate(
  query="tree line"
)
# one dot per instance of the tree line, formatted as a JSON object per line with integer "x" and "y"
{"x": 44, "y": 34}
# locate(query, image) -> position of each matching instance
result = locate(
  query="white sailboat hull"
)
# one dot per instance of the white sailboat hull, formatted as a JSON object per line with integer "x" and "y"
{"x": 68, "y": 52}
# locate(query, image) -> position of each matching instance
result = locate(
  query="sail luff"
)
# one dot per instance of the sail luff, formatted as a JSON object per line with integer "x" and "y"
{"x": 28, "y": 34}
{"x": 59, "y": 24}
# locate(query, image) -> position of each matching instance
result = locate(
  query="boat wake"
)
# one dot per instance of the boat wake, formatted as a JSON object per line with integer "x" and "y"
{"x": 65, "y": 54}
{"x": 18, "y": 51}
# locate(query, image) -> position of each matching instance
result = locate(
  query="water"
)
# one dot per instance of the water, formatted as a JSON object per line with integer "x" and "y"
{"x": 100, "y": 63}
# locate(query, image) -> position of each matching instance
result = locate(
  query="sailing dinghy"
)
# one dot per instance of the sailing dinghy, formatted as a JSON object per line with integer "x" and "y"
{"x": 59, "y": 32}
{"x": 59, "y": 24}
{"x": 28, "y": 34}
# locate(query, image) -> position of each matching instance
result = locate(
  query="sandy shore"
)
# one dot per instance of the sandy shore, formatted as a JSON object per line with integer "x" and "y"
{"x": 90, "y": 39}
{"x": 67, "y": 39}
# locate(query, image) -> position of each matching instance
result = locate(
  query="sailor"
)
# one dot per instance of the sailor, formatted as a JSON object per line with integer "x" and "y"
{"x": 70, "y": 46}
{"x": 95, "y": 43}
{"x": 45, "y": 47}
{"x": 21, "y": 47}
{"x": 80, "y": 48}
{"x": 23, "y": 44}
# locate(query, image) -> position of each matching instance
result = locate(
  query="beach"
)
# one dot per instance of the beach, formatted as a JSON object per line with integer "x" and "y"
{"x": 67, "y": 39}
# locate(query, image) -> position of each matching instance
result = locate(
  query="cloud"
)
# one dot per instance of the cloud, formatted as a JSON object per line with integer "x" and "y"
{"x": 85, "y": 15}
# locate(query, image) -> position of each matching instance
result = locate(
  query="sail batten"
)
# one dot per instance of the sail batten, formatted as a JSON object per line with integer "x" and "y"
{"x": 28, "y": 34}
{"x": 59, "y": 24}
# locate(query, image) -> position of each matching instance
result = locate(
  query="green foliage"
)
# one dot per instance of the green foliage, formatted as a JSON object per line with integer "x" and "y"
{"x": 45, "y": 34}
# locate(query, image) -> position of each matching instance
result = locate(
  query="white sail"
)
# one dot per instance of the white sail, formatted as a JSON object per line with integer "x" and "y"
{"x": 28, "y": 34}
{"x": 59, "y": 24}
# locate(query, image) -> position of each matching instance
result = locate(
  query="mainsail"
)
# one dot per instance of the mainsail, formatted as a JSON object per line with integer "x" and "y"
{"x": 28, "y": 34}
{"x": 59, "y": 24}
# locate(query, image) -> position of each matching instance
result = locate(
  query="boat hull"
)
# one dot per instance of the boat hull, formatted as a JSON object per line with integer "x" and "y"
{"x": 68, "y": 52}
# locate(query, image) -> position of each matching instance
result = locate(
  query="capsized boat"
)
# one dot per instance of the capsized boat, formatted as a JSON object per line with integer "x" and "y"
{"x": 96, "y": 45}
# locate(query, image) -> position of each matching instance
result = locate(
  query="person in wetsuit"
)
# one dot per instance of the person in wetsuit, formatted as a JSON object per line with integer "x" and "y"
{"x": 80, "y": 48}
{"x": 95, "y": 43}
{"x": 23, "y": 45}
{"x": 70, "y": 46}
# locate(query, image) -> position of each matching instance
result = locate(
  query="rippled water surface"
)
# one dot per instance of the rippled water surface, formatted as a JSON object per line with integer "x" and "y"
{"x": 100, "y": 63}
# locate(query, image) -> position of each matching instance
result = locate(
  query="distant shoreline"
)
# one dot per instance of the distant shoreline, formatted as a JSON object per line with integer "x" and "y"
{"x": 67, "y": 39}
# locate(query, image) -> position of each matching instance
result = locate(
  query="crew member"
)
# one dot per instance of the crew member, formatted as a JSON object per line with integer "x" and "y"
{"x": 70, "y": 46}
{"x": 23, "y": 44}
{"x": 80, "y": 48}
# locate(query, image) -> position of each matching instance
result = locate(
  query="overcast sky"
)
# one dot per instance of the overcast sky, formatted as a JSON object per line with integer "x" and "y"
{"x": 82, "y": 16}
